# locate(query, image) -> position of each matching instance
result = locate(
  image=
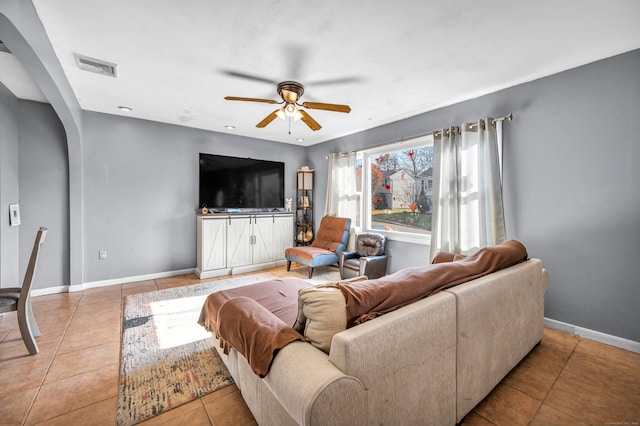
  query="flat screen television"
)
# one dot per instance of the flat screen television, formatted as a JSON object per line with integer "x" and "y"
{"x": 240, "y": 183}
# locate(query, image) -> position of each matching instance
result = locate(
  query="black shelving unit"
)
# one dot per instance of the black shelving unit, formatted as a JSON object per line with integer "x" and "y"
{"x": 304, "y": 207}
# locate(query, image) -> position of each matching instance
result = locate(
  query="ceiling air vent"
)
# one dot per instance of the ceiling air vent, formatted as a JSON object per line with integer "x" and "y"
{"x": 96, "y": 65}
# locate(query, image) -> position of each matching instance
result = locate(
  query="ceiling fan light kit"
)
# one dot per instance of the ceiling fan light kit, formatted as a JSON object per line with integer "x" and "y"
{"x": 290, "y": 110}
{"x": 291, "y": 92}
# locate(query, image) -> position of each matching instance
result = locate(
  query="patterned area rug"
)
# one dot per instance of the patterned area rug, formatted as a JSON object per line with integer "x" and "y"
{"x": 167, "y": 358}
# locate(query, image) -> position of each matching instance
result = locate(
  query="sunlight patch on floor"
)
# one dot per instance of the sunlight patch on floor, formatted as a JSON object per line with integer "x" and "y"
{"x": 175, "y": 321}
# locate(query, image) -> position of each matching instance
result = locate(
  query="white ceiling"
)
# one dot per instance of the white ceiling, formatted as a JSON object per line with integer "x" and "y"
{"x": 387, "y": 60}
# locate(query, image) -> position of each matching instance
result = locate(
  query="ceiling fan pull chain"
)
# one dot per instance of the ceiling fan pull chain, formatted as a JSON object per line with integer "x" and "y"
{"x": 289, "y": 125}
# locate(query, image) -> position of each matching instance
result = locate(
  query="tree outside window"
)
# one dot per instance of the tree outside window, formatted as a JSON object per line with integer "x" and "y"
{"x": 401, "y": 187}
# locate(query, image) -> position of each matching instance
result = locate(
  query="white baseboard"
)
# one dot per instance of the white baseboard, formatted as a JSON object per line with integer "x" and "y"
{"x": 212, "y": 273}
{"x": 252, "y": 268}
{"x": 49, "y": 290}
{"x": 607, "y": 339}
{"x": 116, "y": 281}
{"x": 105, "y": 283}
{"x": 239, "y": 269}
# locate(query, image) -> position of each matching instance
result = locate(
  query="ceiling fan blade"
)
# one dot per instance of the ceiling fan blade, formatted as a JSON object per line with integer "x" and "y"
{"x": 339, "y": 80}
{"x": 309, "y": 121}
{"x": 246, "y": 76}
{"x": 268, "y": 119}
{"x": 327, "y": 107}
{"x": 295, "y": 58}
{"x": 236, "y": 98}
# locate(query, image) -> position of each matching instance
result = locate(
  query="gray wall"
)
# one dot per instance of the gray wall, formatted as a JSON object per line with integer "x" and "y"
{"x": 571, "y": 171}
{"x": 44, "y": 192}
{"x": 9, "y": 188}
{"x": 141, "y": 191}
{"x": 573, "y": 195}
{"x": 33, "y": 173}
{"x": 22, "y": 32}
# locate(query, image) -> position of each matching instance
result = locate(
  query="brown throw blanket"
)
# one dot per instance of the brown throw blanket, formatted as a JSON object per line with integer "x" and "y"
{"x": 369, "y": 299}
{"x": 254, "y": 332}
{"x": 264, "y": 328}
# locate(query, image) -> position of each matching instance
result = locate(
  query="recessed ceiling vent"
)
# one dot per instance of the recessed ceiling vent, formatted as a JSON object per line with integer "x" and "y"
{"x": 4, "y": 48}
{"x": 96, "y": 65}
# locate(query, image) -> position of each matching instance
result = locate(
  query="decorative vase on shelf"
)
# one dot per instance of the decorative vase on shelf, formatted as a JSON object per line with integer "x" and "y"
{"x": 308, "y": 235}
{"x": 301, "y": 236}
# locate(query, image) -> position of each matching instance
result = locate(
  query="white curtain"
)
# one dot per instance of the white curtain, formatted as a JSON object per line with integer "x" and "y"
{"x": 341, "y": 187}
{"x": 467, "y": 189}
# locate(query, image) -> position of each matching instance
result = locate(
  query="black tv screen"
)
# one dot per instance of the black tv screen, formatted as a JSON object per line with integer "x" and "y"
{"x": 245, "y": 183}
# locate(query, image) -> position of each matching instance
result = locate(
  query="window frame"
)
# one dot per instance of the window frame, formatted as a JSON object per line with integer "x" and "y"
{"x": 365, "y": 190}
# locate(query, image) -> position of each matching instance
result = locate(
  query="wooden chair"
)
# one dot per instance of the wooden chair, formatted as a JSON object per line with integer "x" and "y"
{"x": 19, "y": 299}
{"x": 332, "y": 238}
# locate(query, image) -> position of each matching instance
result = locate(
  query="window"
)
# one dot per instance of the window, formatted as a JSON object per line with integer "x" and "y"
{"x": 396, "y": 189}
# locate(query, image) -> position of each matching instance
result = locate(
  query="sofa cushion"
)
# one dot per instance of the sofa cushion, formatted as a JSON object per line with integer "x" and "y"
{"x": 322, "y": 313}
{"x": 323, "y": 308}
{"x": 443, "y": 256}
{"x": 277, "y": 295}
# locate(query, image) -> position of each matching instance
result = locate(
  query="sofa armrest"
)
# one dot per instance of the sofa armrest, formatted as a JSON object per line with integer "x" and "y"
{"x": 348, "y": 255}
{"x": 313, "y": 391}
{"x": 500, "y": 319}
{"x": 373, "y": 266}
{"x": 345, "y": 255}
{"x": 410, "y": 361}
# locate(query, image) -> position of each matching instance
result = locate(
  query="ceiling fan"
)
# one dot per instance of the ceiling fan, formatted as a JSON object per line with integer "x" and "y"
{"x": 291, "y": 92}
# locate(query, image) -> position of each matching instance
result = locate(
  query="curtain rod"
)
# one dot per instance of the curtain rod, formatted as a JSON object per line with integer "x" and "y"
{"x": 507, "y": 117}
{"x": 473, "y": 126}
{"x": 340, "y": 154}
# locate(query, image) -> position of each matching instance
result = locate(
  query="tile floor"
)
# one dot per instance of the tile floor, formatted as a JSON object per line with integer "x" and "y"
{"x": 565, "y": 380}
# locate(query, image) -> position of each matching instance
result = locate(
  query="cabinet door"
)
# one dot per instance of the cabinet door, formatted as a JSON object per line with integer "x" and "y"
{"x": 214, "y": 245}
{"x": 263, "y": 239}
{"x": 282, "y": 235}
{"x": 239, "y": 239}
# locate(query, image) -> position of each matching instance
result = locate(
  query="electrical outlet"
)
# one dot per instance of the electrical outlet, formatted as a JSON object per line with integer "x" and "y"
{"x": 102, "y": 255}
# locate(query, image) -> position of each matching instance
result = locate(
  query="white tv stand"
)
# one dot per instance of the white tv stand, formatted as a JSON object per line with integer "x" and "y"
{"x": 244, "y": 242}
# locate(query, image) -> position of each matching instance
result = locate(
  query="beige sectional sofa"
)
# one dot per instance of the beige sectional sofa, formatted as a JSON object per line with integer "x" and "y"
{"x": 426, "y": 363}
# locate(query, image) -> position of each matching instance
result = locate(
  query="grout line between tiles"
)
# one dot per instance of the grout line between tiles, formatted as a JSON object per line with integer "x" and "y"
{"x": 55, "y": 353}
{"x": 554, "y": 383}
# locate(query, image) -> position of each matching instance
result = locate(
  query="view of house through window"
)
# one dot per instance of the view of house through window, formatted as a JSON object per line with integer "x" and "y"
{"x": 397, "y": 186}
